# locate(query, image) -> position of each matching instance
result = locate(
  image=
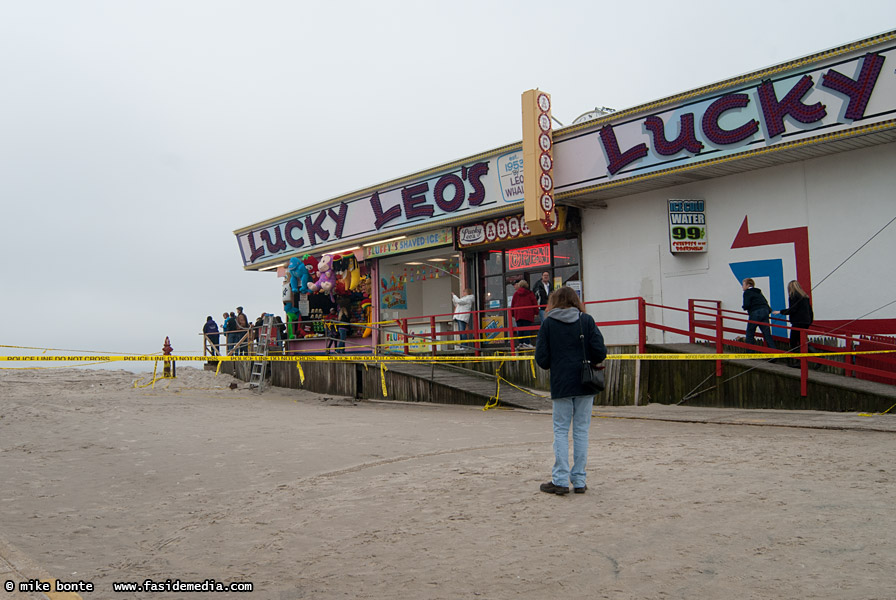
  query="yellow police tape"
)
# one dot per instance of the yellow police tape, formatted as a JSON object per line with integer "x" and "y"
{"x": 494, "y": 401}
{"x": 424, "y": 358}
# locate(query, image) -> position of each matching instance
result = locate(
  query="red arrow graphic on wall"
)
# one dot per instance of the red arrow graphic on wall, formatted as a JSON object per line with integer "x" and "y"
{"x": 798, "y": 236}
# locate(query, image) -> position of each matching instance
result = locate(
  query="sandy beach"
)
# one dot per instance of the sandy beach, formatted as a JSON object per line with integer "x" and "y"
{"x": 310, "y": 496}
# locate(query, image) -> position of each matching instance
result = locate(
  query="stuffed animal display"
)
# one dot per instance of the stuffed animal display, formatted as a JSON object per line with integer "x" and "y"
{"x": 326, "y": 278}
{"x": 298, "y": 276}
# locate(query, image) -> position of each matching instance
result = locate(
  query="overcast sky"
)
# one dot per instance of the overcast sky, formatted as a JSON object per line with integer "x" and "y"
{"x": 135, "y": 136}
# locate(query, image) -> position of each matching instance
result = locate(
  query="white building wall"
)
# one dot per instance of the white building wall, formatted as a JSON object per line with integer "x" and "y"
{"x": 843, "y": 199}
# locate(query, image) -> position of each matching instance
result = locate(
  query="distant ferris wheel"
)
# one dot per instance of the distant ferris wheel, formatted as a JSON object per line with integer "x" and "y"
{"x": 597, "y": 113}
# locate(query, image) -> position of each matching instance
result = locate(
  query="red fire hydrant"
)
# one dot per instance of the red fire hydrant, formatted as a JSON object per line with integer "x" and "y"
{"x": 169, "y": 369}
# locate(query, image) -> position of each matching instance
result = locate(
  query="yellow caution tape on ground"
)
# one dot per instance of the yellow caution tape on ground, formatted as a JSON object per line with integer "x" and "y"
{"x": 493, "y": 401}
{"x": 877, "y": 414}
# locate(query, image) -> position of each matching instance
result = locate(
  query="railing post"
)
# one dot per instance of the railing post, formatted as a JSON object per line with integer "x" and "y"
{"x": 475, "y": 318}
{"x": 804, "y": 363}
{"x": 432, "y": 334}
{"x": 508, "y": 324}
{"x": 849, "y": 359}
{"x": 720, "y": 347}
{"x": 692, "y": 327}
{"x": 642, "y": 326}
{"x": 404, "y": 331}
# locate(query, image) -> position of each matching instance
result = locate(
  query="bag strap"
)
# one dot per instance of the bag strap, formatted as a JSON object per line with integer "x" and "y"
{"x": 582, "y": 339}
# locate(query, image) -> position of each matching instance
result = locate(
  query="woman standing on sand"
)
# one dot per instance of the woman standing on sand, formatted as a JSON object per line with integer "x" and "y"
{"x": 566, "y": 333}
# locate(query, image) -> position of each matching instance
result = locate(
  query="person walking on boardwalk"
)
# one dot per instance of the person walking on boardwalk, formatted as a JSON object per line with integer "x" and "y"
{"x": 800, "y": 313}
{"x": 758, "y": 312}
{"x": 566, "y": 333}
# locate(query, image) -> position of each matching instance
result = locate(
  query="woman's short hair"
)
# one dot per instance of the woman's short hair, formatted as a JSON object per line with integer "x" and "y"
{"x": 523, "y": 283}
{"x": 564, "y": 297}
{"x": 750, "y": 282}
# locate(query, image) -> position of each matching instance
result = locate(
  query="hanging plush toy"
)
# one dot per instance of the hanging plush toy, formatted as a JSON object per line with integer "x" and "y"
{"x": 352, "y": 272}
{"x": 311, "y": 265}
{"x": 298, "y": 276}
{"x": 367, "y": 307}
{"x": 326, "y": 278}
{"x": 340, "y": 282}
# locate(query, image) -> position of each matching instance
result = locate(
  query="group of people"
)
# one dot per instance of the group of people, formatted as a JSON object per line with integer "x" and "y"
{"x": 759, "y": 311}
{"x": 525, "y": 306}
{"x": 235, "y": 327}
{"x": 237, "y": 332}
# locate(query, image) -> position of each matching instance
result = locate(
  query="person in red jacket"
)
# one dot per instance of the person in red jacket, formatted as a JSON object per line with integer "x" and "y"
{"x": 524, "y": 309}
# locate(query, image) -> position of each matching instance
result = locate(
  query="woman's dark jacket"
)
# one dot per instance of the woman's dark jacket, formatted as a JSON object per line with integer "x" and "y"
{"x": 755, "y": 302}
{"x": 559, "y": 349}
{"x": 800, "y": 311}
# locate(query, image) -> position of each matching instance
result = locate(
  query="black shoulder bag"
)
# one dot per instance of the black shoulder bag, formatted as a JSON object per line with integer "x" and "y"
{"x": 592, "y": 377}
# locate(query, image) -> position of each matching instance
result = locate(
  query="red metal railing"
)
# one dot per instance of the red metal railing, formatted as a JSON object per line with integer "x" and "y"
{"x": 881, "y": 368}
{"x": 707, "y": 323}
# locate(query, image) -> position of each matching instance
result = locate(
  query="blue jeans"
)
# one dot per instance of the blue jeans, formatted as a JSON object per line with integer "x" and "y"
{"x": 761, "y": 316}
{"x": 340, "y": 345}
{"x": 575, "y": 411}
{"x": 461, "y": 326}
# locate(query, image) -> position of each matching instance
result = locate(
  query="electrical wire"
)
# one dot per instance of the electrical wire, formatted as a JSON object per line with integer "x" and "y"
{"x": 853, "y": 254}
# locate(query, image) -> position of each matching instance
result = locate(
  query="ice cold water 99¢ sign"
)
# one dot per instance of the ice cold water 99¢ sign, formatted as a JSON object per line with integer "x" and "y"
{"x": 687, "y": 226}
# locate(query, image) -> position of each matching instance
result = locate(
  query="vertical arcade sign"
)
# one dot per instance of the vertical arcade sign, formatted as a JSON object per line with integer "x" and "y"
{"x": 538, "y": 163}
{"x": 687, "y": 226}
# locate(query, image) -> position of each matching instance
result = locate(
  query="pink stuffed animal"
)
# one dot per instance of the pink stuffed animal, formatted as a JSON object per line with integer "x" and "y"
{"x": 326, "y": 278}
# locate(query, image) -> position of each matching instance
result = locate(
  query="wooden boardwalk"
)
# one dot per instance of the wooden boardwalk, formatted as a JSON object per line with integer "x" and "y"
{"x": 471, "y": 387}
{"x": 744, "y": 384}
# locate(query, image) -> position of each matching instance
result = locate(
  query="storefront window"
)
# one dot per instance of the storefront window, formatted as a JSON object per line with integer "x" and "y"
{"x": 567, "y": 274}
{"x": 566, "y": 252}
{"x": 493, "y": 262}
{"x": 500, "y": 273}
{"x": 493, "y": 294}
{"x": 420, "y": 283}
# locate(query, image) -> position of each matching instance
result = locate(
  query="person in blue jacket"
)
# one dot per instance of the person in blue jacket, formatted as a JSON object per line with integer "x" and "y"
{"x": 210, "y": 329}
{"x": 558, "y": 348}
{"x": 229, "y": 335}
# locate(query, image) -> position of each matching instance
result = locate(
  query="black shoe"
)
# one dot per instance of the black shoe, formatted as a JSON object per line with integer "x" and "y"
{"x": 550, "y": 488}
{"x": 580, "y": 490}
